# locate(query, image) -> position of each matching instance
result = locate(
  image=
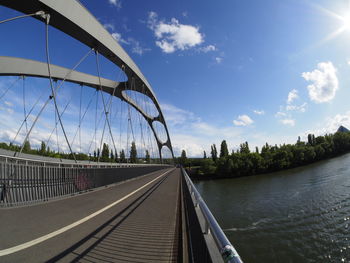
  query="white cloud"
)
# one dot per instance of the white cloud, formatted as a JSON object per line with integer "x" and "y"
{"x": 259, "y": 112}
{"x": 324, "y": 82}
{"x": 243, "y": 120}
{"x": 218, "y": 60}
{"x": 109, "y": 26}
{"x": 280, "y": 114}
{"x": 136, "y": 47}
{"x": 174, "y": 115}
{"x": 300, "y": 108}
{"x": 190, "y": 133}
{"x": 207, "y": 49}
{"x": 331, "y": 124}
{"x": 117, "y": 36}
{"x": 116, "y": 3}
{"x": 9, "y": 104}
{"x": 174, "y": 36}
{"x": 289, "y": 122}
{"x": 292, "y": 95}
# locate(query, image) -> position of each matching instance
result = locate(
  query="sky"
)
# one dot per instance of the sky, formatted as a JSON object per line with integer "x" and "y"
{"x": 243, "y": 70}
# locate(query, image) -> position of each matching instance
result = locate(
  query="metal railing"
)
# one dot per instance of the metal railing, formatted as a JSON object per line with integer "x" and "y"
{"x": 26, "y": 182}
{"x": 37, "y": 160}
{"x": 224, "y": 246}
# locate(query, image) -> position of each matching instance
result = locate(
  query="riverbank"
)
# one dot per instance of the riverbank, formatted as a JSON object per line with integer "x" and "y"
{"x": 194, "y": 173}
{"x": 270, "y": 158}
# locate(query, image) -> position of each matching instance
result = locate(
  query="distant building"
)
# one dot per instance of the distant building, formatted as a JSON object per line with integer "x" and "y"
{"x": 342, "y": 129}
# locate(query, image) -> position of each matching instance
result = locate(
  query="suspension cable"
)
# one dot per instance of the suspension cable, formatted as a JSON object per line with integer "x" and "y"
{"x": 121, "y": 115}
{"x": 9, "y": 87}
{"x": 97, "y": 124}
{"x": 130, "y": 119}
{"x": 51, "y": 85}
{"x": 82, "y": 118}
{"x": 39, "y": 13}
{"x": 94, "y": 138}
{"x": 103, "y": 100}
{"x": 129, "y": 125}
{"x": 102, "y": 136}
{"x": 133, "y": 88}
{"x": 120, "y": 124}
{"x": 116, "y": 112}
{"x": 140, "y": 121}
{"x": 81, "y": 95}
{"x": 26, "y": 117}
{"x": 149, "y": 131}
{"x": 47, "y": 101}
{"x": 110, "y": 113}
{"x": 145, "y": 109}
{"x": 24, "y": 103}
{"x": 58, "y": 145}
{"x": 56, "y": 122}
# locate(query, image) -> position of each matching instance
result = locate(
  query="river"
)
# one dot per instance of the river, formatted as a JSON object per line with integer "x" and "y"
{"x": 298, "y": 215}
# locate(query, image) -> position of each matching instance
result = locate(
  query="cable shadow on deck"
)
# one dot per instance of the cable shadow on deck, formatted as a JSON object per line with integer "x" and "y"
{"x": 109, "y": 247}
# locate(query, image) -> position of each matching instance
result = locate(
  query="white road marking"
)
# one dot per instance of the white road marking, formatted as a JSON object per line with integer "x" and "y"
{"x": 33, "y": 242}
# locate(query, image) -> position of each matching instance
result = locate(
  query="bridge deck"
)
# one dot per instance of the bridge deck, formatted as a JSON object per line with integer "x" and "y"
{"x": 141, "y": 228}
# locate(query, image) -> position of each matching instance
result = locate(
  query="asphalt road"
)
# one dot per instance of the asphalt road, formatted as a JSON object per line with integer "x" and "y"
{"x": 135, "y": 221}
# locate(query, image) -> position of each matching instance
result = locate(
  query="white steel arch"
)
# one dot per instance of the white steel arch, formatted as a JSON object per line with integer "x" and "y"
{"x": 72, "y": 18}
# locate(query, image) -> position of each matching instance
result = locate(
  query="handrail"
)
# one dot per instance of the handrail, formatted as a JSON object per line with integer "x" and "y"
{"x": 84, "y": 163}
{"x": 227, "y": 251}
{"x": 80, "y": 163}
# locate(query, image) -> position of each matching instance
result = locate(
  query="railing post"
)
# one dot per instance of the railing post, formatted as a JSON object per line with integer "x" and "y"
{"x": 206, "y": 228}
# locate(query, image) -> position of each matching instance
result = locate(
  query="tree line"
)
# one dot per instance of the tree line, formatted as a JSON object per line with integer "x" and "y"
{"x": 104, "y": 155}
{"x": 269, "y": 158}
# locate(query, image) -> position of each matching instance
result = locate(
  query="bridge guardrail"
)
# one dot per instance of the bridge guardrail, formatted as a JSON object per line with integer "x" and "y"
{"x": 22, "y": 184}
{"x": 7, "y": 156}
{"x": 223, "y": 245}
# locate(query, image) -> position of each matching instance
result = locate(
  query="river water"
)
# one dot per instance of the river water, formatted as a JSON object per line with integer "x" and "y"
{"x": 298, "y": 215}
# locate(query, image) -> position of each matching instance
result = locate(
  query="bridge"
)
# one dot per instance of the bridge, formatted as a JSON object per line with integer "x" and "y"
{"x": 60, "y": 205}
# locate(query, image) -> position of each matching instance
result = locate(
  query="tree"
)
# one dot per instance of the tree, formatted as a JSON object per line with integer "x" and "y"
{"x": 122, "y": 156}
{"x": 214, "y": 153}
{"x": 116, "y": 156}
{"x": 223, "y": 149}
{"x": 112, "y": 156}
{"x": 204, "y": 155}
{"x": 224, "y": 167}
{"x": 320, "y": 152}
{"x": 183, "y": 158}
{"x": 244, "y": 148}
{"x": 320, "y": 139}
{"x": 148, "y": 157}
{"x": 311, "y": 139}
{"x": 105, "y": 153}
{"x": 26, "y": 147}
{"x": 42, "y": 150}
{"x": 309, "y": 154}
{"x": 207, "y": 167}
{"x": 133, "y": 153}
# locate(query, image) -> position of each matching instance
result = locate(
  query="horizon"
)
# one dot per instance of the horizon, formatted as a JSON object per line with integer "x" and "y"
{"x": 261, "y": 72}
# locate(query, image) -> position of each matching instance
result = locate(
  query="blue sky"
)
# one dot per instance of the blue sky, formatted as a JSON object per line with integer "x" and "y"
{"x": 245, "y": 70}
